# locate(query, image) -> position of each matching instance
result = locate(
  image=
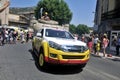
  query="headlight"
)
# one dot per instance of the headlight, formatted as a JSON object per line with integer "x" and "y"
{"x": 54, "y": 45}
{"x": 57, "y": 46}
{"x": 85, "y": 48}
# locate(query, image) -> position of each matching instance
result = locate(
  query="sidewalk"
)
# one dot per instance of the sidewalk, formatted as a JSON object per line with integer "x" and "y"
{"x": 113, "y": 57}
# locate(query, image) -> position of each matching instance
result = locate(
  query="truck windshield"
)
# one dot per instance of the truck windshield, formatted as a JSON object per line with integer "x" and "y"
{"x": 58, "y": 33}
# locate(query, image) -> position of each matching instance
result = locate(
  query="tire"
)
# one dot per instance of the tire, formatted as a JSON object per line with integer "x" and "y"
{"x": 33, "y": 49}
{"x": 42, "y": 62}
{"x": 82, "y": 65}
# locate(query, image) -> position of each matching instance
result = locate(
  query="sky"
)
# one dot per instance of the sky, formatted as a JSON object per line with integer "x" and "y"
{"x": 83, "y": 10}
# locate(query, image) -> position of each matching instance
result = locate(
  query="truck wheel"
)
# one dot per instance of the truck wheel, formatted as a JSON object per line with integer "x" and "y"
{"x": 82, "y": 65}
{"x": 41, "y": 60}
{"x": 33, "y": 49}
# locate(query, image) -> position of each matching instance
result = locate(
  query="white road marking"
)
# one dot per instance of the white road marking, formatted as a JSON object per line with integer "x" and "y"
{"x": 99, "y": 73}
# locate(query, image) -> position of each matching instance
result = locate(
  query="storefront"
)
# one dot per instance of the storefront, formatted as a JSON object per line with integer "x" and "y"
{"x": 113, "y": 36}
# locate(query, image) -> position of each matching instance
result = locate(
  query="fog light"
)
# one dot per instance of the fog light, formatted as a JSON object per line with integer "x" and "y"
{"x": 53, "y": 55}
{"x": 88, "y": 55}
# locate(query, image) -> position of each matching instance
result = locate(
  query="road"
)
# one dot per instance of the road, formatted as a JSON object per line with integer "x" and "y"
{"x": 18, "y": 63}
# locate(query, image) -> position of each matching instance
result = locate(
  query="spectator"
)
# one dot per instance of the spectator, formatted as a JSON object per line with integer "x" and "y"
{"x": 105, "y": 43}
{"x": 1, "y": 38}
{"x": 3, "y": 35}
{"x": 83, "y": 38}
{"x": 6, "y": 36}
{"x": 95, "y": 43}
{"x": 23, "y": 37}
{"x": 98, "y": 47}
{"x": 117, "y": 45}
{"x": 27, "y": 37}
{"x": 14, "y": 36}
{"x": 90, "y": 44}
{"x": 11, "y": 36}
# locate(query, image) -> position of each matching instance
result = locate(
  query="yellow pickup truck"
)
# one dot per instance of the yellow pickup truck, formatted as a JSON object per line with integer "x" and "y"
{"x": 56, "y": 46}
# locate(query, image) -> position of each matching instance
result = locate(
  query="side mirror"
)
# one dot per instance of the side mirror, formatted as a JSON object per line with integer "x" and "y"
{"x": 39, "y": 35}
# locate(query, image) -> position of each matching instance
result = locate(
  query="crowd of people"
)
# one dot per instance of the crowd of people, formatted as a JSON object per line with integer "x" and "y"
{"x": 11, "y": 36}
{"x": 99, "y": 43}
{"x": 95, "y": 42}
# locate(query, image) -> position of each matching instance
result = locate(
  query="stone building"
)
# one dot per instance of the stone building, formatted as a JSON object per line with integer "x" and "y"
{"x": 29, "y": 16}
{"x": 107, "y": 15}
{"x": 18, "y": 20}
{"x": 4, "y": 12}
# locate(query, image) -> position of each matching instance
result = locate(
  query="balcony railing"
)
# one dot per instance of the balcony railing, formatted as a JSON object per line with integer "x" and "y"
{"x": 111, "y": 14}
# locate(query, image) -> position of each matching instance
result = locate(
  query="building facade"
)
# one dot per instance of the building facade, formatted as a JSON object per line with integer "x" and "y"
{"x": 107, "y": 15}
{"x": 29, "y": 15}
{"x": 18, "y": 20}
{"x": 107, "y": 19}
{"x": 4, "y": 12}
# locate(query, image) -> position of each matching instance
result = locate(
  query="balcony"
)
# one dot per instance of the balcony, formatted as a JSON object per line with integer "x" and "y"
{"x": 114, "y": 14}
{"x": 20, "y": 21}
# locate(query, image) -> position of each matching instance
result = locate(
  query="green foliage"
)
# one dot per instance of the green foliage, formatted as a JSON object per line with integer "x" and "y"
{"x": 57, "y": 10}
{"x": 72, "y": 28}
{"x": 80, "y": 29}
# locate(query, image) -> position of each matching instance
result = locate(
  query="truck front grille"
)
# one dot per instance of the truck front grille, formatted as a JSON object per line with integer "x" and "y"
{"x": 71, "y": 50}
{"x": 72, "y": 57}
{"x": 75, "y": 48}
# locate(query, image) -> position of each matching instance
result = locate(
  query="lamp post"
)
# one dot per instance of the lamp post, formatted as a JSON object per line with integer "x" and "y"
{"x": 41, "y": 10}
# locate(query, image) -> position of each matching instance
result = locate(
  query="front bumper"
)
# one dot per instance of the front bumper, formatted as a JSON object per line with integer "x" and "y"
{"x": 66, "y": 57}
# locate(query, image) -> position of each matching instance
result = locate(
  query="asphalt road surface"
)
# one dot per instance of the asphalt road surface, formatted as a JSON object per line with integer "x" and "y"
{"x": 17, "y": 62}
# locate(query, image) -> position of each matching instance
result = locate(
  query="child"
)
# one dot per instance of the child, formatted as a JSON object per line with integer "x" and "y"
{"x": 98, "y": 47}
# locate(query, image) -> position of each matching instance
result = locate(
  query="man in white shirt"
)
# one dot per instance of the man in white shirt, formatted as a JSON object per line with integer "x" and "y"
{"x": 95, "y": 43}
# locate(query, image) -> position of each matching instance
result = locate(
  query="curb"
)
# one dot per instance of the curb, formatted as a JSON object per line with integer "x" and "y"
{"x": 107, "y": 56}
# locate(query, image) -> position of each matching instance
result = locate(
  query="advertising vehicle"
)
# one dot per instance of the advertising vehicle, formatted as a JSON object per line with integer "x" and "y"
{"x": 56, "y": 46}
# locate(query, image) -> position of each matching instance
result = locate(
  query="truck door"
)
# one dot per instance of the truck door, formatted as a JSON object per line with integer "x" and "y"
{"x": 40, "y": 39}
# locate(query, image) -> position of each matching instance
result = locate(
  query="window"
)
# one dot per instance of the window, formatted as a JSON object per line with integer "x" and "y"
{"x": 58, "y": 33}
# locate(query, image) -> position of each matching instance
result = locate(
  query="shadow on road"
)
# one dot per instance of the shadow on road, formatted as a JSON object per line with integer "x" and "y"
{"x": 57, "y": 69}
{"x": 94, "y": 55}
{"x": 116, "y": 59}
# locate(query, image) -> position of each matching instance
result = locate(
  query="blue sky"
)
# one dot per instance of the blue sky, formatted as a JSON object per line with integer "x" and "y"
{"x": 82, "y": 9}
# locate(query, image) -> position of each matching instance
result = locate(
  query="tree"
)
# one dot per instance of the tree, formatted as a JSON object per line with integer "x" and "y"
{"x": 82, "y": 29}
{"x": 57, "y": 10}
{"x": 72, "y": 28}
